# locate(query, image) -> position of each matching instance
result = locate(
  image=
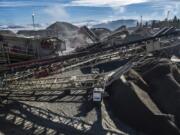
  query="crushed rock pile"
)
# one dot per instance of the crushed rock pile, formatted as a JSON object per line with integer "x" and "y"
{"x": 147, "y": 98}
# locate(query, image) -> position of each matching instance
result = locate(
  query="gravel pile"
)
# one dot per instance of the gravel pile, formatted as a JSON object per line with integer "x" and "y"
{"x": 144, "y": 101}
{"x": 147, "y": 97}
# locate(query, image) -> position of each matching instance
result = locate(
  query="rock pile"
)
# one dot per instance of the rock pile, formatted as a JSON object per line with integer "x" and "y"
{"x": 147, "y": 97}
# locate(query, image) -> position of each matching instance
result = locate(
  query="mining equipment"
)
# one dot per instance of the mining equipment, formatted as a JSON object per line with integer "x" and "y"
{"x": 133, "y": 51}
{"x": 19, "y": 48}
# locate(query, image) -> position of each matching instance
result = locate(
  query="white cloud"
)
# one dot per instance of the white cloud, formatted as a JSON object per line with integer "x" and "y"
{"x": 56, "y": 10}
{"x": 14, "y": 4}
{"x": 57, "y": 13}
{"x": 167, "y": 5}
{"x": 103, "y": 3}
{"x": 174, "y": 9}
{"x": 119, "y": 10}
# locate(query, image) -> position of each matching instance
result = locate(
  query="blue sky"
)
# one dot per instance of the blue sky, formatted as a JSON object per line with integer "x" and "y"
{"x": 76, "y": 11}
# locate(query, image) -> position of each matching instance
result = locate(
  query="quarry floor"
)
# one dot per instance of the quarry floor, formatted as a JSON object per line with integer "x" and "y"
{"x": 55, "y": 113}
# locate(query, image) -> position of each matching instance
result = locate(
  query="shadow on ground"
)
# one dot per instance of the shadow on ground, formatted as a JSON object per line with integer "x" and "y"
{"x": 19, "y": 118}
{"x": 44, "y": 96}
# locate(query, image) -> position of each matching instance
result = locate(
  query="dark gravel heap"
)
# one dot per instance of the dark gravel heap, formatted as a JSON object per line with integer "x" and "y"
{"x": 149, "y": 99}
{"x": 164, "y": 83}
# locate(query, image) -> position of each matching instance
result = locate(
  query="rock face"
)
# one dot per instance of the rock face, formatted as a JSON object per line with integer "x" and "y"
{"x": 149, "y": 100}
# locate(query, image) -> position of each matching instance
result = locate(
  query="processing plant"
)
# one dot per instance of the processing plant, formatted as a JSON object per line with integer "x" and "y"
{"x": 117, "y": 82}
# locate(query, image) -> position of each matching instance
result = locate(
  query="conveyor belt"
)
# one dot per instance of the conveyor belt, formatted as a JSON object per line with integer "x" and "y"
{"x": 66, "y": 83}
{"x": 97, "y": 48}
